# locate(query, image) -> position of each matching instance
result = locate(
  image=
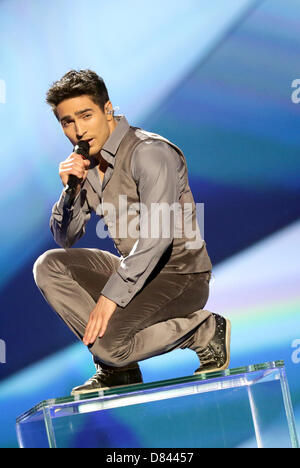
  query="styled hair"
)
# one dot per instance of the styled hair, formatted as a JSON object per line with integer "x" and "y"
{"x": 76, "y": 83}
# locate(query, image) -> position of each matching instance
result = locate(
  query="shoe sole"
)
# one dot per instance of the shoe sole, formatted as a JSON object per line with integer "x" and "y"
{"x": 95, "y": 390}
{"x": 228, "y": 338}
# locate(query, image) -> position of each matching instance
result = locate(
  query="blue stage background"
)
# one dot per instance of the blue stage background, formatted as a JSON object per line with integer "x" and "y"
{"x": 216, "y": 79}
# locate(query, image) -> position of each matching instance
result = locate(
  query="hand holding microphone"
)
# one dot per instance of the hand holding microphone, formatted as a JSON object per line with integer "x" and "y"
{"x": 74, "y": 169}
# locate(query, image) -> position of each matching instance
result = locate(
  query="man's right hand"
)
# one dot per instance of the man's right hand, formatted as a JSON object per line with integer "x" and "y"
{"x": 75, "y": 165}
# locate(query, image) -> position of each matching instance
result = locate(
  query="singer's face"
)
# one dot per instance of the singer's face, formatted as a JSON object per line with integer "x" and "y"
{"x": 82, "y": 119}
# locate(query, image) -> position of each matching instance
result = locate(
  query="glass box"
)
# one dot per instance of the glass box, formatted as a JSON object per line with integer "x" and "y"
{"x": 245, "y": 407}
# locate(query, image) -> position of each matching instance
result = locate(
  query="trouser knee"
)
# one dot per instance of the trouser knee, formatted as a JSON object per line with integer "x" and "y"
{"x": 110, "y": 355}
{"x": 44, "y": 267}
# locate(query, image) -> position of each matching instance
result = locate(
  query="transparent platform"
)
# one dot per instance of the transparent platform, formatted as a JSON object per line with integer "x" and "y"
{"x": 244, "y": 407}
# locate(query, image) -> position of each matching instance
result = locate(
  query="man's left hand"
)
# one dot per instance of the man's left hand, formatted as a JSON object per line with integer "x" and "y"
{"x": 98, "y": 320}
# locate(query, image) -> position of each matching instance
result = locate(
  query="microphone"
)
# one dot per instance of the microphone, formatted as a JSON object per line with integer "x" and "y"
{"x": 82, "y": 148}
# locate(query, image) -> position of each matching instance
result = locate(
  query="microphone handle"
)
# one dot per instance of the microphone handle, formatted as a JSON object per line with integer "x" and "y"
{"x": 70, "y": 190}
{"x": 68, "y": 201}
{"x": 83, "y": 149}
{"x": 71, "y": 186}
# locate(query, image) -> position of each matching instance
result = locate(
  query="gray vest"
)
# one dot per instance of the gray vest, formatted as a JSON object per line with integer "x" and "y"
{"x": 187, "y": 252}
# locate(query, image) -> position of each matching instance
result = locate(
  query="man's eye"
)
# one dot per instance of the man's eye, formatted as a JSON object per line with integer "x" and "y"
{"x": 87, "y": 115}
{"x": 65, "y": 124}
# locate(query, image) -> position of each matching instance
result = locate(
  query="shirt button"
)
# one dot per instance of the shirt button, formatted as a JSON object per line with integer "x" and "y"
{"x": 130, "y": 290}
{"x": 117, "y": 241}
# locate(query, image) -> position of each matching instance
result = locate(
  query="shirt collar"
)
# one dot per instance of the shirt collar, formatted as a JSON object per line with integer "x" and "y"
{"x": 108, "y": 152}
{"x": 113, "y": 142}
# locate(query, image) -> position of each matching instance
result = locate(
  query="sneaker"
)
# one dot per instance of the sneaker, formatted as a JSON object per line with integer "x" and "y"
{"x": 216, "y": 355}
{"x": 107, "y": 377}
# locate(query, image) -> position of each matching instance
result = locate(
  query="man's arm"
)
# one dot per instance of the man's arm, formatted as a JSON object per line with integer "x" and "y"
{"x": 155, "y": 167}
{"x": 68, "y": 225}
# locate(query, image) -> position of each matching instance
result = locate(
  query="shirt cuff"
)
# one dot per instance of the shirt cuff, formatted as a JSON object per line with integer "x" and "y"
{"x": 118, "y": 290}
{"x": 121, "y": 291}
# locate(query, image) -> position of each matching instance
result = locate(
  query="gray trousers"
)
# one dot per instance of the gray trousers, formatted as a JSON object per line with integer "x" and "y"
{"x": 167, "y": 313}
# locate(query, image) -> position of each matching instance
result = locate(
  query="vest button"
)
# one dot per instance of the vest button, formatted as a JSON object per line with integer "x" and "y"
{"x": 130, "y": 290}
{"x": 117, "y": 241}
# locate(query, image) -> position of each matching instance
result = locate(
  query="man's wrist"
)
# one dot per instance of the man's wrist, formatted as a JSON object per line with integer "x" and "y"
{"x": 105, "y": 300}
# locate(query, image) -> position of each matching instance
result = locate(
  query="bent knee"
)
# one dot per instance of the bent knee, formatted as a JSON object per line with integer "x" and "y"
{"x": 111, "y": 357}
{"x": 44, "y": 265}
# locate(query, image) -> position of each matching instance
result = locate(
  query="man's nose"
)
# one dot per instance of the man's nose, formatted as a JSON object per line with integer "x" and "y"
{"x": 80, "y": 132}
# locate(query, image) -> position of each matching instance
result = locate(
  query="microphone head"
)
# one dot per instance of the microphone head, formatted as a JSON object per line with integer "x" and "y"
{"x": 82, "y": 148}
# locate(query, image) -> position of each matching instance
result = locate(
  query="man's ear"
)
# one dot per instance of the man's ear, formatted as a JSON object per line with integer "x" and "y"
{"x": 109, "y": 110}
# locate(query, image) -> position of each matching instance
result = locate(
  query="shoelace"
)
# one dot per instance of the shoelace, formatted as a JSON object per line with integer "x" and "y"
{"x": 100, "y": 372}
{"x": 206, "y": 355}
{"x": 209, "y": 354}
{"x": 94, "y": 378}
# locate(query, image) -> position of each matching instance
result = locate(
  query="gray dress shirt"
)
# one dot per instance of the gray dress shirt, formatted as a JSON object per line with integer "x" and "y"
{"x": 159, "y": 173}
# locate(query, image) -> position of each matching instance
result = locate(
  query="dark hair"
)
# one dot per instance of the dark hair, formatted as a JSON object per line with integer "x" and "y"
{"x": 76, "y": 83}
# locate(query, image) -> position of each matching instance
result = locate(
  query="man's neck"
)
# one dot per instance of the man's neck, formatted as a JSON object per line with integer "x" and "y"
{"x": 112, "y": 125}
{"x": 103, "y": 164}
